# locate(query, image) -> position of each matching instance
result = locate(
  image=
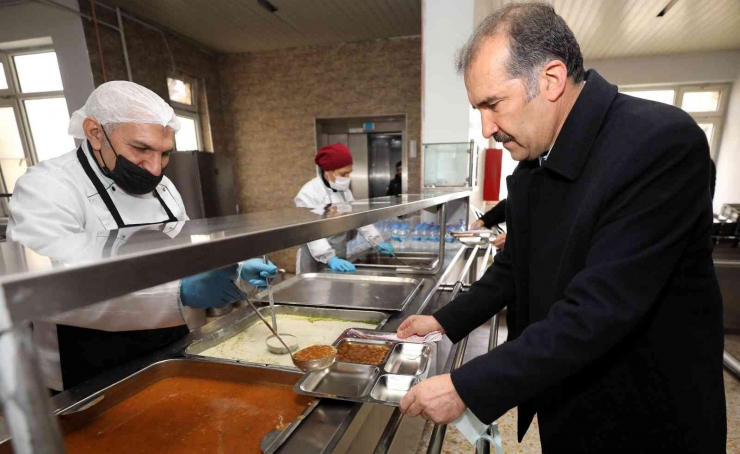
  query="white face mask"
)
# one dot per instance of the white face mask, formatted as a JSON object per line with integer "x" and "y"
{"x": 473, "y": 429}
{"x": 340, "y": 183}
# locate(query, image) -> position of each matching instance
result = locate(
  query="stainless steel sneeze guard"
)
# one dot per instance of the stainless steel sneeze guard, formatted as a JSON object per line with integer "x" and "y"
{"x": 405, "y": 365}
{"x": 349, "y": 291}
{"x": 75, "y": 272}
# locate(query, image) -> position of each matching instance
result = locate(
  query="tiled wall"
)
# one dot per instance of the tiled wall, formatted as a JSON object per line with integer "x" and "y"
{"x": 151, "y": 64}
{"x": 271, "y": 100}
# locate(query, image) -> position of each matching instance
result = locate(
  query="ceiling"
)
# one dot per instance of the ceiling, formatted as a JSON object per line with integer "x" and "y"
{"x": 630, "y": 28}
{"x": 233, "y": 26}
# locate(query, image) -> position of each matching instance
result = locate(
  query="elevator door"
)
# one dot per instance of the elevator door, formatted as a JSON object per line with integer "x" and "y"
{"x": 383, "y": 152}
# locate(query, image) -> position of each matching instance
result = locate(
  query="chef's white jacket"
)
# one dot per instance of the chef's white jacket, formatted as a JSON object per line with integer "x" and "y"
{"x": 315, "y": 194}
{"x": 55, "y": 198}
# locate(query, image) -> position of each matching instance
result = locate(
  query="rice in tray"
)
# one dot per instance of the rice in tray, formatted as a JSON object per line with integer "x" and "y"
{"x": 249, "y": 345}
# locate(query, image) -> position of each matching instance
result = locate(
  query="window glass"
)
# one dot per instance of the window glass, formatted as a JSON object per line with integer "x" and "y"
{"x": 12, "y": 170}
{"x": 708, "y": 129}
{"x": 12, "y": 159}
{"x": 186, "y": 138}
{"x": 664, "y": 96}
{"x": 180, "y": 91}
{"x": 700, "y": 101}
{"x": 3, "y": 80}
{"x": 38, "y": 72}
{"x": 49, "y": 120}
{"x": 10, "y": 137}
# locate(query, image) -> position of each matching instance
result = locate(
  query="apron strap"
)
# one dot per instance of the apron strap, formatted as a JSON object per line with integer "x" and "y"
{"x": 109, "y": 202}
{"x": 100, "y": 188}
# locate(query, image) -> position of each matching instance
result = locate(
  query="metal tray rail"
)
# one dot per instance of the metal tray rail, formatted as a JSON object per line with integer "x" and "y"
{"x": 405, "y": 365}
{"x": 349, "y": 291}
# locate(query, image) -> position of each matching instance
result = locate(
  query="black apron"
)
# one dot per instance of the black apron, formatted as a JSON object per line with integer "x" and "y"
{"x": 85, "y": 353}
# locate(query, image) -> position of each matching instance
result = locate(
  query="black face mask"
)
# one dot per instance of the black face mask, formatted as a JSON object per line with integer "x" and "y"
{"x": 130, "y": 177}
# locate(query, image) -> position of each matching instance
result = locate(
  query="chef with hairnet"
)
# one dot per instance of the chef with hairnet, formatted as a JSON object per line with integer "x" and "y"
{"x": 115, "y": 180}
{"x": 331, "y": 186}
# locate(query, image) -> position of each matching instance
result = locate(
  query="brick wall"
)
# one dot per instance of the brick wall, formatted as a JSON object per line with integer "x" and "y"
{"x": 271, "y": 100}
{"x": 151, "y": 64}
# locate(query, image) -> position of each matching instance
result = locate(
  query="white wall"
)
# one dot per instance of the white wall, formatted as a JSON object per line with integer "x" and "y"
{"x": 445, "y": 107}
{"x": 728, "y": 162}
{"x": 33, "y": 20}
{"x": 669, "y": 69}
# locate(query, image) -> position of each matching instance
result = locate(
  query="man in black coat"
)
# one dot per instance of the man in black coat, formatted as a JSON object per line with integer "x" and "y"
{"x": 614, "y": 311}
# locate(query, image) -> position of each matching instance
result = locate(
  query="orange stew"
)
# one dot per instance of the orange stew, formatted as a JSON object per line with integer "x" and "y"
{"x": 315, "y": 352}
{"x": 190, "y": 415}
{"x": 354, "y": 352}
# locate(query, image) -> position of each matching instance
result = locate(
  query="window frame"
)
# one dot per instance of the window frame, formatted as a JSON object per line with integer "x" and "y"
{"x": 192, "y": 108}
{"x": 717, "y": 118}
{"x": 198, "y": 135}
{"x": 18, "y": 98}
{"x": 6, "y": 72}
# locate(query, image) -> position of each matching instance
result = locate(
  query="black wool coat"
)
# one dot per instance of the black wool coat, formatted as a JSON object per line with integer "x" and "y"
{"x": 614, "y": 310}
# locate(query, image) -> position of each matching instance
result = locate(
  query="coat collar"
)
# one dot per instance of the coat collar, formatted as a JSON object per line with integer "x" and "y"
{"x": 579, "y": 132}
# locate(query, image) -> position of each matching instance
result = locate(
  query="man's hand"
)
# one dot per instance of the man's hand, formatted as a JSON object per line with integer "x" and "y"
{"x": 499, "y": 241}
{"x": 477, "y": 225}
{"x": 421, "y": 325}
{"x": 435, "y": 399}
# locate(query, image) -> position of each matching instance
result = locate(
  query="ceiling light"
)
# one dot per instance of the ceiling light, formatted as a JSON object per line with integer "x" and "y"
{"x": 267, "y": 5}
{"x": 666, "y": 8}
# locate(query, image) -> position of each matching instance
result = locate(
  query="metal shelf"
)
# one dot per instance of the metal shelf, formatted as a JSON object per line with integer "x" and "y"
{"x": 80, "y": 270}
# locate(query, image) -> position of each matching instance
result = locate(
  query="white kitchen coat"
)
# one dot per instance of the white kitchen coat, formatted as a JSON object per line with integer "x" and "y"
{"x": 54, "y": 199}
{"x": 315, "y": 194}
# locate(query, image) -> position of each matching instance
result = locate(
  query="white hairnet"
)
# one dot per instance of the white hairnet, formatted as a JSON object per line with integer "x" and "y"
{"x": 123, "y": 102}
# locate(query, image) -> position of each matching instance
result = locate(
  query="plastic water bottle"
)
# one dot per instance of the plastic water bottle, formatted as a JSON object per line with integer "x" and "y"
{"x": 434, "y": 235}
{"x": 448, "y": 235}
{"x": 403, "y": 236}
{"x": 461, "y": 225}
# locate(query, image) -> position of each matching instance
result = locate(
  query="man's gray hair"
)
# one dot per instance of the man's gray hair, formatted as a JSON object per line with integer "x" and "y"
{"x": 536, "y": 36}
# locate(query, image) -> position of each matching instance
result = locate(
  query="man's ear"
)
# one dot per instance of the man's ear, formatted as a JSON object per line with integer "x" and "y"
{"x": 554, "y": 77}
{"x": 93, "y": 132}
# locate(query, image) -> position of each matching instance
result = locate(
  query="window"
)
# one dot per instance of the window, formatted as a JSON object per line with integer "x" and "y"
{"x": 705, "y": 103}
{"x": 3, "y": 79}
{"x": 184, "y": 99}
{"x": 33, "y": 112}
{"x": 664, "y": 96}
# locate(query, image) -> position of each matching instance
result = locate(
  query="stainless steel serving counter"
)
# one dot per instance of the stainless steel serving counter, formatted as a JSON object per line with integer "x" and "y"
{"x": 324, "y": 427}
{"x": 41, "y": 280}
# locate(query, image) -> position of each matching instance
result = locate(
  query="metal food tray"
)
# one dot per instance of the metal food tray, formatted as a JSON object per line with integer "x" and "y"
{"x": 92, "y": 407}
{"x": 405, "y": 365}
{"x": 349, "y": 291}
{"x": 250, "y": 318}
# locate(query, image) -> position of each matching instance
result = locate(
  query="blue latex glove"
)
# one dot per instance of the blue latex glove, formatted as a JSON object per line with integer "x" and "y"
{"x": 255, "y": 271}
{"x": 386, "y": 249}
{"x": 214, "y": 288}
{"x": 342, "y": 266}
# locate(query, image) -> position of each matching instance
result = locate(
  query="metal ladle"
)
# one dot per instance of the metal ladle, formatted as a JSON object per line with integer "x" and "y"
{"x": 273, "y": 346}
{"x": 393, "y": 255}
{"x": 311, "y": 365}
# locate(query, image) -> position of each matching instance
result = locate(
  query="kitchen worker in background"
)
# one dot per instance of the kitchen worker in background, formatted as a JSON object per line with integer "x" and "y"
{"x": 395, "y": 188}
{"x": 613, "y": 306}
{"x": 332, "y": 187}
{"x": 494, "y": 216}
{"x": 112, "y": 181}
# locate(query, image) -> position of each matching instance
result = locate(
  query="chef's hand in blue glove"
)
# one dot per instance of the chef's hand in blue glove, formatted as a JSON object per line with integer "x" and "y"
{"x": 213, "y": 288}
{"x": 342, "y": 266}
{"x": 255, "y": 271}
{"x": 386, "y": 249}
